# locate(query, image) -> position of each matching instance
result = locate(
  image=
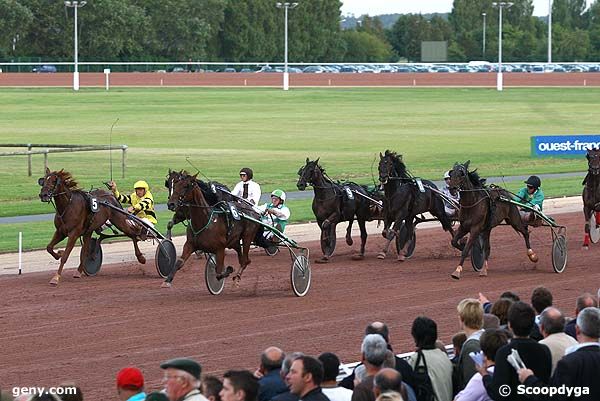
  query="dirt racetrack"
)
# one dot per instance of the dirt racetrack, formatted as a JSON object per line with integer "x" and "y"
{"x": 86, "y": 330}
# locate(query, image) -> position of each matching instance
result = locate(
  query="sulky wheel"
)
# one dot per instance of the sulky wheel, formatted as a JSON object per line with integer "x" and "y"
{"x": 165, "y": 257}
{"x": 328, "y": 241}
{"x": 478, "y": 254}
{"x": 594, "y": 229}
{"x": 215, "y": 287}
{"x": 559, "y": 253}
{"x": 93, "y": 261}
{"x": 410, "y": 243}
{"x": 300, "y": 274}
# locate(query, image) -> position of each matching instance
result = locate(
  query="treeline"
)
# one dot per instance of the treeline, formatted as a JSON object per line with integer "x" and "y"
{"x": 252, "y": 30}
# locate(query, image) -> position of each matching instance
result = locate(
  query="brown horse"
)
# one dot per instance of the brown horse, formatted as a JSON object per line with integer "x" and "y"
{"x": 211, "y": 228}
{"x": 481, "y": 209}
{"x": 591, "y": 194}
{"x": 74, "y": 218}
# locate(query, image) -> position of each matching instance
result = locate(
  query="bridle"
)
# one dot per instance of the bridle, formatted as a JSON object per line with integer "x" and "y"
{"x": 593, "y": 162}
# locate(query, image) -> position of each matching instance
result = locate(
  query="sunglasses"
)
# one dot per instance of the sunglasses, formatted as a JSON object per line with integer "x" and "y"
{"x": 242, "y": 174}
{"x": 530, "y": 186}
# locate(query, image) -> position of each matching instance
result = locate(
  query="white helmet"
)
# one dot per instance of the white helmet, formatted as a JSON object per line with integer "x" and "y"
{"x": 279, "y": 193}
{"x": 447, "y": 175}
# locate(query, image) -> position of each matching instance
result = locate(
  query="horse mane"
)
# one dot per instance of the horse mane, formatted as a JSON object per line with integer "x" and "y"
{"x": 68, "y": 179}
{"x": 477, "y": 181}
{"x": 399, "y": 165}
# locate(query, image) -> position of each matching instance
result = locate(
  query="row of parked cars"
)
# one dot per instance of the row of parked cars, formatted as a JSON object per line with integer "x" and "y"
{"x": 476, "y": 66}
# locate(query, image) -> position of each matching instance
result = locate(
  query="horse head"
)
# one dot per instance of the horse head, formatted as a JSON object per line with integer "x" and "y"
{"x": 391, "y": 166}
{"x": 55, "y": 183}
{"x": 181, "y": 190}
{"x": 593, "y": 158}
{"x": 307, "y": 173}
{"x": 459, "y": 175}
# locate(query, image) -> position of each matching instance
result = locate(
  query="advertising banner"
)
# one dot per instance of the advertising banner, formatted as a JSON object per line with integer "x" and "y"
{"x": 563, "y": 145}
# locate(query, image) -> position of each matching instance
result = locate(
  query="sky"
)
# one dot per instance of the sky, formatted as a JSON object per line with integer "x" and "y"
{"x": 377, "y": 7}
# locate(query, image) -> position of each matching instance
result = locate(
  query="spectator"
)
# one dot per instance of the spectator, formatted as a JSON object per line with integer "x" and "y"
{"x": 457, "y": 342}
{"x": 157, "y": 396}
{"x": 580, "y": 367}
{"x": 285, "y": 369}
{"x": 390, "y": 380}
{"x": 491, "y": 341}
{"x": 583, "y": 301}
{"x": 239, "y": 385}
{"x": 73, "y": 394}
{"x": 305, "y": 378}
{"x": 130, "y": 384}
{"x": 541, "y": 298}
{"x": 211, "y": 387}
{"x": 331, "y": 368}
{"x": 500, "y": 309}
{"x": 487, "y": 305}
{"x": 490, "y": 321}
{"x": 373, "y": 354}
{"x": 4, "y": 396}
{"x": 269, "y": 374}
{"x": 470, "y": 314}
{"x": 182, "y": 379}
{"x": 390, "y": 396}
{"x": 439, "y": 367}
{"x": 521, "y": 318}
{"x": 552, "y": 325}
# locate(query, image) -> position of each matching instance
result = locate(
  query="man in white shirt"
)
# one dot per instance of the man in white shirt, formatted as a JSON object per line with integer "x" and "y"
{"x": 246, "y": 188}
{"x": 331, "y": 368}
{"x": 552, "y": 326}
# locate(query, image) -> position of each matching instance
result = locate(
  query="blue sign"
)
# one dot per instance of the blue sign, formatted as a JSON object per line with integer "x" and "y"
{"x": 563, "y": 145}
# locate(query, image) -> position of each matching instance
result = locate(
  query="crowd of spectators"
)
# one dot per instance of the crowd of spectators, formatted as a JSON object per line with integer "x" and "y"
{"x": 560, "y": 360}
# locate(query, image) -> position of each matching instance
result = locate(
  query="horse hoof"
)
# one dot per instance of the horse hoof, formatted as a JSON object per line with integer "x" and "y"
{"x": 349, "y": 241}
{"x": 77, "y": 274}
{"x": 585, "y": 247}
{"x": 456, "y": 274}
{"x": 401, "y": 258}
{"x": 381, "y": 255}
{"x": 483, "y": 273}
{"x": 228, "y": 271}
{"x": 358, "y": 257}
{"x": 532, "y": 256}
{"x": 55, "y": 280}
{"x": 142, "y": 259}
{"x": 166, "y": 284}
{"x": 324, "y": 259}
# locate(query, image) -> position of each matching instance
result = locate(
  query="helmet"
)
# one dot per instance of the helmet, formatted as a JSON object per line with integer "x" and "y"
{"x": 447, "y": 175}
{"x": 248, "y": 172}
{"x": 141, "y": 184}
{"x": 534, "y": 181}
{"x": 279, "y": 193}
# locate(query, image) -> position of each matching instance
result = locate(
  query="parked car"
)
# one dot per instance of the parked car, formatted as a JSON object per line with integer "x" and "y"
{"x": 44, "y": 68}
{"x": 229, "y": 69}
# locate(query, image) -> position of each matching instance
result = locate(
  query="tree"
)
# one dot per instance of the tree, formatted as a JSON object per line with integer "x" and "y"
{"x": 365, "y": 47}
{"x": 15, "y": 19}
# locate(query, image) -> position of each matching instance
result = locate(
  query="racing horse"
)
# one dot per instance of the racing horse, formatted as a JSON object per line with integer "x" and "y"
{"x": 591, "y": 194}
{"x": 334, "y": 203}
{"x": 211, "y": 228}
{"x": 213, "y": 192}
{"x": 405, "y": 199}
{"x": 75, "y": 219}
{"x": 481, "y": 209}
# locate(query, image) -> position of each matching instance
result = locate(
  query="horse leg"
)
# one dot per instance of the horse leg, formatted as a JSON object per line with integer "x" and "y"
{"x": 220, "y": 260}
{"x": 409, "y": 226}
{"x": 515, "y": 221}
{"x": 56, "y": 238}
{"x": 187, "y": 251}
{"x": 587, "y": 212}
{"x": 363, "y": 239}
{"x": 349, "y": 240}
{"x": 458, "y": 235}
{"x": 244, "y": 260}
{"x": 170, "y": 225}
{"x": 63, "y": 259}
{"x": 83, "y": 254}
{"x": 138, "y": 254}
{"x": 487, "y": 250}
{"x": 328, "y": 240}
{"x": 389, "y": 235}
{"x": 473, "y": 234}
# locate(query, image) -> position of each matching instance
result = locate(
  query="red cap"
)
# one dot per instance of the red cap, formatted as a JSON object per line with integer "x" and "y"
{"x": 130, "y": 378}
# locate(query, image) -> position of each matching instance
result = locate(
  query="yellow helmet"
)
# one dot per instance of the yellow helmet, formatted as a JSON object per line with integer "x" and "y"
{"x": 141, "y": 184}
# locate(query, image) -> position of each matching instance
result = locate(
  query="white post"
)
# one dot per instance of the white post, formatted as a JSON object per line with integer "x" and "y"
{"x": 500, "y": 5}
{"x": 76, "y": 72}
{"x": 106, "y": 74}
{"x": 20, "y": 250}
{"x": 484, "y": 14}
{"x": 549, "y": 31}
{"x": 286, "y": 76}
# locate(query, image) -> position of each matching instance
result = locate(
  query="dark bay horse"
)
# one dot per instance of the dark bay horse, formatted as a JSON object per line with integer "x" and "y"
{"x": 211, "y": 229}
{"x": 74, "y": 218}
{"x": 334, "y": 203}
{"x": 211, "y": 196}
{"x": 591, "y": 193}
{"x": 404, "y": 200}
{"x": 481, "y": 209}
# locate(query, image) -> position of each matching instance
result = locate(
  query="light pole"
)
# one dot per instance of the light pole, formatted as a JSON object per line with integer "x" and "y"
{"x": 500, "y": 5}
{"x": 286, "y": 76}
{"x": 549, "y": 31}
{"x": 484, "y": 14}
{"x": 75, "y": 5}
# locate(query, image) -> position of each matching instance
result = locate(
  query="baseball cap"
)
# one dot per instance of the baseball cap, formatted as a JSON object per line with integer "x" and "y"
{"x": 130, "y": 378}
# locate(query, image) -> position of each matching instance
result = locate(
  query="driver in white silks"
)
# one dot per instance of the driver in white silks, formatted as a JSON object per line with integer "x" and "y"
{"x": 451, "y": 193}
{"x": 275, "y": 213}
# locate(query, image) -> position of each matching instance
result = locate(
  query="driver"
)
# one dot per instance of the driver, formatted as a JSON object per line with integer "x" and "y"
{"x": 247, "y": 188}
{"x": 531, "y": 195}
{"x": 451, "y": 193}
{"x": 275, "y": 213}
{"x": 141, "y": 201}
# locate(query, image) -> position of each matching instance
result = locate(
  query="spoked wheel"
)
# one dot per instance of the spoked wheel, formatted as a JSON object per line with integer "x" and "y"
{"x": 328, "y": 241}
{"x": 215, "y": 287}
{"x": 594, "y": 229}
{"x": 300, "y": 273}
{"x": 559, "y": 252}
{"x": 478, "y": 254}
{"x": 410, "y": 243}
{"x": 93, "y": 261}
{"x": 165, "y": 257}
